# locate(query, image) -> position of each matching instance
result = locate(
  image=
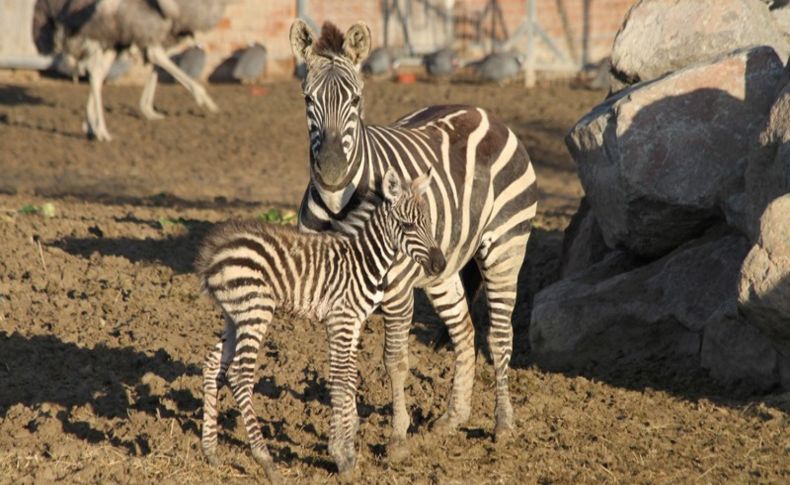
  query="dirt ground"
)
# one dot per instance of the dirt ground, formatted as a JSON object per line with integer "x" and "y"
{"x": 103, "y": 328}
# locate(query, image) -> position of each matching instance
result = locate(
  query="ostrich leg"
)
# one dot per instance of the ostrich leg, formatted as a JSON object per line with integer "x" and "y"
{"x": 99, "y": 62}
{"x": 147, "y": 98}
{"x": 157, "y": 55}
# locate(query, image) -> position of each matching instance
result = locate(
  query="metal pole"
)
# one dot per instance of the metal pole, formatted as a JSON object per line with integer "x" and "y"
{"x": 529, "y": 65}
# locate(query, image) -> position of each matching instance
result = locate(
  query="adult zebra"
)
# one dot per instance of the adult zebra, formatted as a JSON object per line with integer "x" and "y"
{"x": 481, "y": 205}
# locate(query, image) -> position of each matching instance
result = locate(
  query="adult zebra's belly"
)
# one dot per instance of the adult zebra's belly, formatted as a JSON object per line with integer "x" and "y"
{"x": 484, "y": 184}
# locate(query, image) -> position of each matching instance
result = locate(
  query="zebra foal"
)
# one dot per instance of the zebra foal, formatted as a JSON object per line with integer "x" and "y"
{"x": 253, "y": 270}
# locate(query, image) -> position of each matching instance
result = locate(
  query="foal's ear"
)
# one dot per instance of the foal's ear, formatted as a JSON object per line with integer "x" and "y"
{"x": 301, "y": 40}
{"x": 391, "y": 186}
{"x": 420, "y": 185}
{"x": 357, "y": 42}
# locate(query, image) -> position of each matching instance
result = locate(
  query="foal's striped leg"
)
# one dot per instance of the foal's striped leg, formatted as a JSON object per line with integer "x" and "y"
{"x": 251, "y": 315}
{"x": 343, "y": 330}
{"x": 214, "y": 370}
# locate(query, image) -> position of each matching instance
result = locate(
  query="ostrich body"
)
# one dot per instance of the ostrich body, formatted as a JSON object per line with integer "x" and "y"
{"x": 90, "y": 33}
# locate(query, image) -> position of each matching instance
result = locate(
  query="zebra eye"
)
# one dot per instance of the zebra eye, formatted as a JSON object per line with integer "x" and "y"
{"x": 355, "y": 100}
{"x": 409, "y": 226}
{"x": 308, "y": 99}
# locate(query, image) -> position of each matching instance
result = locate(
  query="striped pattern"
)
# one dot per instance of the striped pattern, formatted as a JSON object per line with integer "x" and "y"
{"x": 253, "y": 270}
{"x": 481, "y": 208}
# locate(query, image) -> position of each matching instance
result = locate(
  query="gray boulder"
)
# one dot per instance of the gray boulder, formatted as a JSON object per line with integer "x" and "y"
{"x": 736, "y": 353}
{"x": 781, "y": 15}
{"x": 582, "y": 244}
{"x": 659, "y": 159}
{"x": 764, "y": 288}
{"x": 767, "y": 171}
{"x": 662, "y": 36}
{"x": 604, "y": 314}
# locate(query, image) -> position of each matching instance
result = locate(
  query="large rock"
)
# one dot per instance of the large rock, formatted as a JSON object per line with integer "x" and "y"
{"x": 738, "y": 354}
{"x": 781, "y": 15}
{"x": 662, "y": 36}
{"x": 767, "y": 171}
{"x": 764, "y": 289}
{"x": 583, "y": 244}
{"x": 603, "y": 314}
{"x": 657, "y": 160}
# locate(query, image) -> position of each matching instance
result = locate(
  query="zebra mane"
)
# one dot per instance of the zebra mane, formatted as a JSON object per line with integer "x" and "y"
{"x": 331, "y": 40}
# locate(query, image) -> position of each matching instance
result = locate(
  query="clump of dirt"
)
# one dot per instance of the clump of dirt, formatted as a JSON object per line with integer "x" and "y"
{"x": 103, "y": 328}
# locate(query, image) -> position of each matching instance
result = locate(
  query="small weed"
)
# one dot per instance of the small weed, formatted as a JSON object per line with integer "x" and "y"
{"x": 47, "y": 209}
{"x": 275, "y": 216}
{"x": 177, "y": 226}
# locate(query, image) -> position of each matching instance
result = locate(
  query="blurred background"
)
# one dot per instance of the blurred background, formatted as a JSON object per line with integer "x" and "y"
{"x": 568, "y": 34}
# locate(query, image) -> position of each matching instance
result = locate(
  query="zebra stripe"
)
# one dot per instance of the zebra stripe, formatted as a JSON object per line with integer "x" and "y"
{"x": 253, "y": 270}
{"x": 481, "y": 207}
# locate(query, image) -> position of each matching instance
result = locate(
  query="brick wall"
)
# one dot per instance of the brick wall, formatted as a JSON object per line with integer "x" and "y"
{"x": 591, "y": 26}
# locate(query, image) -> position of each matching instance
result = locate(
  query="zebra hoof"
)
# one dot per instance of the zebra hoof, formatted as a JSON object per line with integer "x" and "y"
{"x": 397, "y": 449}
{"x": 444, "y": 426}
{"x": 503, "y": 431}
{"x": 271, "y": 473}
{"x": 211, "y": 457}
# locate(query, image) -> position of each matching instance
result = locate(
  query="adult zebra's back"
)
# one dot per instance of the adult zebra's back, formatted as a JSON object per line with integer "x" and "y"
{"x": 481, "y": 205}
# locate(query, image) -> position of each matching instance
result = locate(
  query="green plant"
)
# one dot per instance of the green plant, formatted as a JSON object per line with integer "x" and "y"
{"x": 166, "y": 222}
{"x": 47, "y": 209}
{"x": 275, "y": 216}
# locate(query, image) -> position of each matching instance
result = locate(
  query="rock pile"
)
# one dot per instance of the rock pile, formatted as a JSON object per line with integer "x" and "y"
{"x": 682, "y": 243}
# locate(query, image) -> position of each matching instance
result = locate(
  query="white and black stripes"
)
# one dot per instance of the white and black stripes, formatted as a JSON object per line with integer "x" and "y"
{"x": 481, "y": 207}
{"x": 253, "y": 270}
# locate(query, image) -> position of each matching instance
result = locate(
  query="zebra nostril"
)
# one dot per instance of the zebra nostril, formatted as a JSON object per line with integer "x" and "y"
{"x": 437, "y": 261}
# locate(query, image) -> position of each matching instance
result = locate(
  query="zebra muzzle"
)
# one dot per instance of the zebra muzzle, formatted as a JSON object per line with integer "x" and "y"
{"x": 331, "y": 164}
{"x": 436, "y": 262}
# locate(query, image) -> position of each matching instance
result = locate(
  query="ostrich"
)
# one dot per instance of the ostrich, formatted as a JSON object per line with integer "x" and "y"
{"x": 88, "y": 34}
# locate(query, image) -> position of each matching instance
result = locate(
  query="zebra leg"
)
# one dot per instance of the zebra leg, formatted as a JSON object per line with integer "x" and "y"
{"x": 500, "y": 263}
{"x": 449, "y": 300}
{"x": 343, "y": 335}
{"x": 398, "y": 309}
{"x": 214, "y": 369}
{"x": 250, "y": 329}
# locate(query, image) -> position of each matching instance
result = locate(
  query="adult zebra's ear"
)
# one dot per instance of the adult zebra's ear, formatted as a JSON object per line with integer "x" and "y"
{"x": 301, "y": 40}
{"x": 420, "y": 185}
{"x": 357, "y": 42}
{"x": 391, "y": 186}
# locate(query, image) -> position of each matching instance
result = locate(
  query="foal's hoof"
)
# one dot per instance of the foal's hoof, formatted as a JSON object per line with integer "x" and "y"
{"x": 397, "y": 449}
{"x": 265, "y": 461}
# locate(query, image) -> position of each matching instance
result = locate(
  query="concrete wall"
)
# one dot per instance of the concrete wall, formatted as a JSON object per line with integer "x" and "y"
{"x": 16, "y": 41}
